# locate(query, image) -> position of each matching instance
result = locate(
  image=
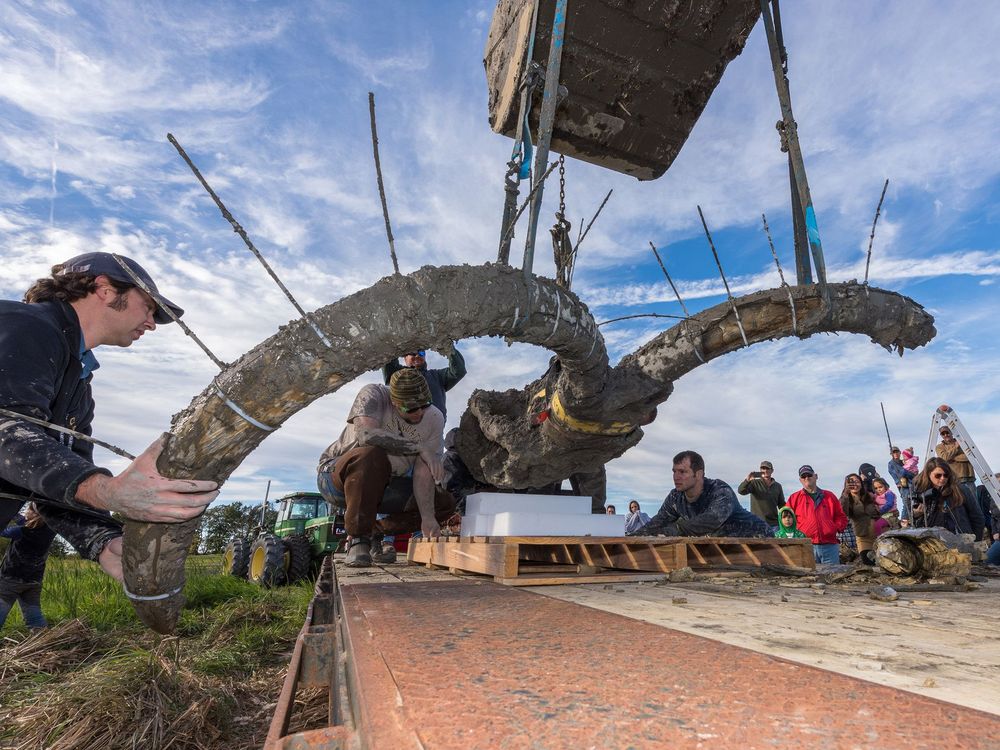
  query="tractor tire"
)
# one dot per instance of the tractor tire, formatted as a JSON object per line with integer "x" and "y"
{"x": 267, "y": 561}
{"x": 298, "y": 556}
{"x": 236, "y": 559}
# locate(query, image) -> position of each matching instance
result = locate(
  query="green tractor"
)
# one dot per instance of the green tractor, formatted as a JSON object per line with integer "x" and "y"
{"x": 303, "y": 534}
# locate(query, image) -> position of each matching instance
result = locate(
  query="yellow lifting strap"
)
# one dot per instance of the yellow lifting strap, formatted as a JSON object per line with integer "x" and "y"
{"x": 612, "y": 429}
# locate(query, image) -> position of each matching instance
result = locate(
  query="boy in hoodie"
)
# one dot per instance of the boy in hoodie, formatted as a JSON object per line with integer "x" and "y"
{"x": 786, "y": 525}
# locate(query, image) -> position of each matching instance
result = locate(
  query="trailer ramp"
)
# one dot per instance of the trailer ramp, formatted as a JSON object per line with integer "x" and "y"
{"x": 424, "y": 659}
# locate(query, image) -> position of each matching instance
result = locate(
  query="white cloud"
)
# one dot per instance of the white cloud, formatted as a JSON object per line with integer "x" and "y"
{"x": 270, "y": 101}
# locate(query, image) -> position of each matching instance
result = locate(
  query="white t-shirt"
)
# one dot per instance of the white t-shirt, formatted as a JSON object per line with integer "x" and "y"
{"x": 373, "y": 401}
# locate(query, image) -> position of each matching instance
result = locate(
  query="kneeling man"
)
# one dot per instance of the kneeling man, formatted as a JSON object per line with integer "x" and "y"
{"x": 393, "y": 440}
{"x": 701, "y": 507}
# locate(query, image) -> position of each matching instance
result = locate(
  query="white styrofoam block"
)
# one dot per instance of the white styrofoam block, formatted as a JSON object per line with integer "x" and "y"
{"x": 543, "y": 524}
{"x": 505, "y": 502}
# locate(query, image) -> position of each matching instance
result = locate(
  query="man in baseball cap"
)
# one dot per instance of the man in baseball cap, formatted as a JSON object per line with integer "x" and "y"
{"x": 106, "y": 264}
{"x": 820, "y": 516}
{"x": 47, "y": 363}
{"x": 766, "y": 495}
{"x": 387, "y": 461}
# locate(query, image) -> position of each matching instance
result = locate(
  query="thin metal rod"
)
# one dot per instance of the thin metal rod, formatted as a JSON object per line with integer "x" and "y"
{"x": 794, "y": 149}
{"x": 781, "y": 275}
{"x": 886, "y": 423}
{"x": 642, "y": 315}
{"x": 732, "y": 302}
{"x": 546, "y": 119}
{"x": 527, "y": 201}
{"x": 591, "y": 223}
{"x": 159, "y": 301}
{"x": 871, "y": 238}
{"x": 669, "y": 280}
{"x": 246, "y": 239}
{"x": 67, "y": 431}
{"x": 583, "y": 235}
{"x": 381, "y": 187}
{"x": 687, "y": 315}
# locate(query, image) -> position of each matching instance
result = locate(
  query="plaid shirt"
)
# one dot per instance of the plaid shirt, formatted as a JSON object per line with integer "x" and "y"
{"x": 848, "y": 538}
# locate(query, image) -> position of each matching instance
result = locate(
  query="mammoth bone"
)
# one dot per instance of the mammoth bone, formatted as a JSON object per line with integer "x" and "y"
{"x": 595, "y": 409}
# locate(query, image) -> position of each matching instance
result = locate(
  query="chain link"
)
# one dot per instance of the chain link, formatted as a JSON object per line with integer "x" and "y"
{"x": 562, "y": 185}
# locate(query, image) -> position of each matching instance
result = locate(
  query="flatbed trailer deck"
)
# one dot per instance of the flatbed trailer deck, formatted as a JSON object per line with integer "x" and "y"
{"x": 425, "y": 658}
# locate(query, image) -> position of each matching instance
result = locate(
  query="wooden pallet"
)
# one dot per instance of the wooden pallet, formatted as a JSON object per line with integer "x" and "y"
{"x": 538, "y": 561}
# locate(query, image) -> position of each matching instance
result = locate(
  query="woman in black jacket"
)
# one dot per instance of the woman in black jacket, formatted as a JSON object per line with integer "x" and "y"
{"x": 938, "y": 499}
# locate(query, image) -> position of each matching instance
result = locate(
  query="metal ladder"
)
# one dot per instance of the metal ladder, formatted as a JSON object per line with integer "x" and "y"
{"x": 945, "y": 416}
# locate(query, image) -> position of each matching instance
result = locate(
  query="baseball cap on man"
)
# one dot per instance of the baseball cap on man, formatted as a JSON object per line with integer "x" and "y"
{"x": 806, "y": 469}
{"x": 766, "y": 465}
{"x": 408, "y": 390}
{"x": 104, "y": 264}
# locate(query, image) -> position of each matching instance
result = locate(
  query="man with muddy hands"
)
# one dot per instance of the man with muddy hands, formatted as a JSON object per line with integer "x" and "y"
{"x": 46, "y": 367}
{"x": 388, "y": 460}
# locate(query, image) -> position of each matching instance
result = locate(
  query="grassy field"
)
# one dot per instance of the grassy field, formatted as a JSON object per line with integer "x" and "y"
{"x": 97, "y": 678}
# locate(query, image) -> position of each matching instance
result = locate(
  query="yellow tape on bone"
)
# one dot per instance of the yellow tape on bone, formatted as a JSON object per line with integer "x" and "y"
{"x": 558, "y": 412}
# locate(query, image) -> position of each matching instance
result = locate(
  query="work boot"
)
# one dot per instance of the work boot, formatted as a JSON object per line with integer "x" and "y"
{"x": 359, "y": 553}
{"x": 385, "y": 555}
{"x": 385, "y": 552}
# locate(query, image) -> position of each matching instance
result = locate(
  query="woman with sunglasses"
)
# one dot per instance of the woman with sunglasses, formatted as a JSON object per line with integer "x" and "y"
{"x": 860, "y": 507}
{"x": 938, "y": 499}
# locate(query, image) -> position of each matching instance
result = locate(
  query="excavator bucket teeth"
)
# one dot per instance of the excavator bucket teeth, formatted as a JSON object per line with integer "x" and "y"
{"x": 638, "y": 75}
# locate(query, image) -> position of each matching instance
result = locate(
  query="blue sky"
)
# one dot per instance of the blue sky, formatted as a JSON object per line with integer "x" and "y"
{"x": 270, "y": 100}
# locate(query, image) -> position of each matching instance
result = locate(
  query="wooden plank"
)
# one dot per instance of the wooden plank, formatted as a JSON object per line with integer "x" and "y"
{"x": 699, "y": 559}
{"x": 628, "y": 555}
{"x": 548, "y": 579}
{"x": 749, "y": 553}
{"x": 475, "y": 557}
{"x": 501, "y": 556}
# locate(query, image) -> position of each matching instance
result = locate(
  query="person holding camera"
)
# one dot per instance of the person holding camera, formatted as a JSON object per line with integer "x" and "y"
{"x": 938, "y": 500}
{"x": 766, "y": 495}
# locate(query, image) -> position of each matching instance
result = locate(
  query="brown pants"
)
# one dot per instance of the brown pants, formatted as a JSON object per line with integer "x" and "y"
{"x": 363, "y": 474}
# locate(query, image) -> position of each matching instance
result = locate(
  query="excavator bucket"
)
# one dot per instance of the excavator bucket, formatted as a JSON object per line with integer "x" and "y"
{"x": 638, "y": 74}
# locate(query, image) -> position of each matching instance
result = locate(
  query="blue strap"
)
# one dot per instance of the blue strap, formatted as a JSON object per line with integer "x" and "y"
{"x": 525, "y": 142}
{"x": 812, "y": 230}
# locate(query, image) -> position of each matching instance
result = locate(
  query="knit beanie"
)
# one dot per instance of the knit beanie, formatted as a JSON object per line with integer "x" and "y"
{"x": 408, "y": 389}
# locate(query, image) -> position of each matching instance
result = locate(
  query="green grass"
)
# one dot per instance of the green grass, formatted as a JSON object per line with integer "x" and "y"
{"x": 97, "y": 667}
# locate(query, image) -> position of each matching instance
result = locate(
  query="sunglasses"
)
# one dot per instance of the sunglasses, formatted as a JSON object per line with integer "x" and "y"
{"x": 806, "y": 476}
{"x": 413, "y": 409}
{"x": 417, "y": 353}
{"x": 938, "y": 475}
{"x": 853, "y": 481}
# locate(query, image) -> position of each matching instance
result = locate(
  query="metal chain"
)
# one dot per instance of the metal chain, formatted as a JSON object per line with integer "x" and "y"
{"x": 562, "y": 186}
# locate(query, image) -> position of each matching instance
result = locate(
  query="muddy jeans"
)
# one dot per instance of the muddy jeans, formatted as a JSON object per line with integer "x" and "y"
{"x": 87, "y": 530}
{"x": 362, "y": 477}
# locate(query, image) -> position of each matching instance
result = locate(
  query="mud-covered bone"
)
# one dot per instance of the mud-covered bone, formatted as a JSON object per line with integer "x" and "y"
{"x": 434, "y": 306}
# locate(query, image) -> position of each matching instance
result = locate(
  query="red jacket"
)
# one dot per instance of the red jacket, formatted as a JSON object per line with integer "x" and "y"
{"x": 818, "y": 522}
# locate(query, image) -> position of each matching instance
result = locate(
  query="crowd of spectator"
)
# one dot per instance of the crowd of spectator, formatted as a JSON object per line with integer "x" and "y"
{"x": 842, "y": 527}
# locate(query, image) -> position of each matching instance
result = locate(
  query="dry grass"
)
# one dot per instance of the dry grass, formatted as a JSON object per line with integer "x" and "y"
{"x": 81, "y": 685}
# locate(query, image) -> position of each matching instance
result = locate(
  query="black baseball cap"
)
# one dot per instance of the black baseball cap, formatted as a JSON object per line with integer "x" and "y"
{"x": 104, "y": 264}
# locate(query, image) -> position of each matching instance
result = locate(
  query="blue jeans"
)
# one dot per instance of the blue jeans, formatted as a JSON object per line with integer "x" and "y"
{"x": 827, "y": 554}
{"x": 993, "y": 554}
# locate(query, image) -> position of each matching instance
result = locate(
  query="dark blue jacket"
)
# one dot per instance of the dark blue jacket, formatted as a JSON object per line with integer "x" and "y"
{"x": 40, "y": 377}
